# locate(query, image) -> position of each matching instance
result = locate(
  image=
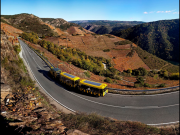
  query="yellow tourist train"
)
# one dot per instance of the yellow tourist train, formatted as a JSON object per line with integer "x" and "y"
{"x": 83, "y": 85}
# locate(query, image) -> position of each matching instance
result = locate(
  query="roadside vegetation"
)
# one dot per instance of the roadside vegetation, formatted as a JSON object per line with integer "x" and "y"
{"x": 123, "y": 42}
{"x": 96, "y": 124}
{"x": 76, "y": 57}
{"x": 22, "y": 84}
{"x": 141, "y": 74}
{"x": 154, "y": 62}
{"x": 94, "y": 64}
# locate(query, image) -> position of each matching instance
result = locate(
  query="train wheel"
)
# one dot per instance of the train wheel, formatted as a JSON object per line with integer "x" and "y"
{"x": 87, "y": 91}
{"x": 99, "y": 94}
{"x": 91, "y": 93}
{"x": 84, "y": 91}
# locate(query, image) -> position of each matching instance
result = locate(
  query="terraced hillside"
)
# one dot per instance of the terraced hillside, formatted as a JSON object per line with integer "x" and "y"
{"x": 95, "y": 45}
{"x": 67, "y": 34}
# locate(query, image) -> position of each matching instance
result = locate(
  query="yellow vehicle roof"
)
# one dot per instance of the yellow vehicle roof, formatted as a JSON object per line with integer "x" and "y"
{"x": 93, "y": 84}
{"x": 69, "y": 76}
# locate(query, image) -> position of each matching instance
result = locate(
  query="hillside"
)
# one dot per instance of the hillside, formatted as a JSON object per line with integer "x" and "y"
{"x": 28, "y": 111}
{"x": 28, "y": 23}
{"x": 160, "y": 38}
{"x": 105, "y": 26}
{"x": 63, "y": 25}
{"x": 72, "y": 35}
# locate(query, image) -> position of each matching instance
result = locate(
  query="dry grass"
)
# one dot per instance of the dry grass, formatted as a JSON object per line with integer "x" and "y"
{"x": 95, "y": 124}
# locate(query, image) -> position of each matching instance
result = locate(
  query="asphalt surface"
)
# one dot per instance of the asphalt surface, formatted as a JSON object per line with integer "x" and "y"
{"x": 149, "y": 109}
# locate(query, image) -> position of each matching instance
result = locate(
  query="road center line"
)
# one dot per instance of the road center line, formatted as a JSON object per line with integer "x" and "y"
{"x": 33, "y": 58}
{"x": 127, "y": 107}
{"x": 44, "y": 89}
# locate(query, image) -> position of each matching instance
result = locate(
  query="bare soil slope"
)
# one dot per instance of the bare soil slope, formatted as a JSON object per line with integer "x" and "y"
{"x": 94, "y": 45}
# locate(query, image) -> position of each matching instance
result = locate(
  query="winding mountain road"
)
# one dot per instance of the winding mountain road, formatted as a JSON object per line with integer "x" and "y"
{"x": 149, "y": 109}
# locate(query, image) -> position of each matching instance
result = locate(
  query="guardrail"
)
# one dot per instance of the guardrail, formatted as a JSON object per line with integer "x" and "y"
{"x": 161, "y": 89}
{"x": 44, "y": 59}
{"x": 122, "y": 90}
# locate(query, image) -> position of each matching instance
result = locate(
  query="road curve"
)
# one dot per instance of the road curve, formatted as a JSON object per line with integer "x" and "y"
{"x": 149, "y": 109}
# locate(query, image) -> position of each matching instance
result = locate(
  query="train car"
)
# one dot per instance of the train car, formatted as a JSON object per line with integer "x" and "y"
{"x": 93, "y": 88}
{"x": 55, "y": 72}
{"x": 69, "y": 79}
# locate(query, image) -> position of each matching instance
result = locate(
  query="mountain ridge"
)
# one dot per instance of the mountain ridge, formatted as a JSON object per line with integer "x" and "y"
{"x": 160, "y": 38}
{"x": 105, "y": 26}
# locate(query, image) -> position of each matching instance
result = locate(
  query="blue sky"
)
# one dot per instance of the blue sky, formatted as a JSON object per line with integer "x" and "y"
{"x": 122, "y": 10}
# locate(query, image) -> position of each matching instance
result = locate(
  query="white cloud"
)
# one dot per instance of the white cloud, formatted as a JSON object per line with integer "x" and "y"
{"x": 145, "y": 12}
{"x": 176, "y": 13}
{"x": 168, "y": 11}
{"x": 160, "y": 12}
{"x": 151, "y": 12}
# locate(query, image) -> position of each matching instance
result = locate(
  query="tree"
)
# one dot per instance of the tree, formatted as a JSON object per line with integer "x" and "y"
{"x": 129, "y": 71}
{"x": 165, "y": 74}
{"x": 108, "y": 80}
{"x": 143, "y": 71}
{"x": 139, "y": 80}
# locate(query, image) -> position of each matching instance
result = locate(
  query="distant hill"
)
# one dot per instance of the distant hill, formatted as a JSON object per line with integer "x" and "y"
{"x": 59, "y": 23}
{"x": 43, "y": 26}
{"x": 160, "y": 38}
{"x": 123, "y": 53}
{"x": 28, "y": 23}
{"x": 105, "y": 26}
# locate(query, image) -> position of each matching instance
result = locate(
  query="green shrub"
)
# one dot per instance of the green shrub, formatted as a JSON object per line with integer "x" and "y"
{"x": 123, "y": 42}
{"x": 108, "y": 80}
{"x": 143, "y": 71}
{"x": 106, "y": 50}
{"x": 137, "y": 85}
{"x": 38, "y": 51}
{"x": 87, "y": 74}
{"x": 4, "y": 61}
{"x": 17, "y": 49}
{"x": 174, "y": 76}
{"x": 139, "y": 72}
{"x": 140, "y": 80}
{"x": 162, "y": 85}
{"x": 147, "y": 85}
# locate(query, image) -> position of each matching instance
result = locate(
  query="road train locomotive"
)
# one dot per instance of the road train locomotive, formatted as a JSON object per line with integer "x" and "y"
{"x": 82, "y": 85}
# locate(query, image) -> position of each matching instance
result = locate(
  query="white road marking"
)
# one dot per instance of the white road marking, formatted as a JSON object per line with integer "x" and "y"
{"x": 33, "y": 58}
{"x": 128, "y": 107}
{"x": 36, "y": 63}
{"x": 163, "y": 123}
{"x": 108, "y": 105}
{"x": 145, "y": 95}
{"x": 46, "y": 91}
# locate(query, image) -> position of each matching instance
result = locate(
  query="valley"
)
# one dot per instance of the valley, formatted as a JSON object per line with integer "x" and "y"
{"x": 123, "y": 55}
{"x": 83, "y": 53}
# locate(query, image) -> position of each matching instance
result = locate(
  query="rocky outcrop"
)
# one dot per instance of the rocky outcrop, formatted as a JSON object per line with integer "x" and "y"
{"x": 57, "y": 22}
{"x": 7, "y": 51}
{"x": 75, "y": 132}
{"x": 5, "y": 90}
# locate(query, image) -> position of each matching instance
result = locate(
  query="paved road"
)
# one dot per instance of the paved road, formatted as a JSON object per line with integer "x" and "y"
{"x": 148, "y": 109}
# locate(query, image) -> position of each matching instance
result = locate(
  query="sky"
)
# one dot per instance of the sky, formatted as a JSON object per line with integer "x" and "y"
{"x": 71, "y": 10}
